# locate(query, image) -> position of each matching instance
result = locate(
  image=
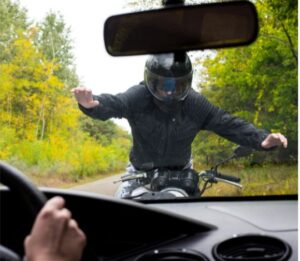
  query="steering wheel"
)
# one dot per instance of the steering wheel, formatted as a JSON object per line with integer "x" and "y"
{"x": 33, "y": 199}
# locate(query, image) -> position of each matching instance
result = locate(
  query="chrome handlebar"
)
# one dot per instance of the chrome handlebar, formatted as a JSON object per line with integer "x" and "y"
{"x": 230, "y": 182}
{"x": 131, "y": 177}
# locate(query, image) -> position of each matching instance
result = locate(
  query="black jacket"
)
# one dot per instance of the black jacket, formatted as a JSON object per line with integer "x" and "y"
{"x": 162, "y": 139}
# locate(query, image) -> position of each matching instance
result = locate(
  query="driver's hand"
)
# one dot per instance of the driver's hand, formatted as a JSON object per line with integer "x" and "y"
{"x": 55, "y": 235}
{"x": 84, "y": 97}
{"x": 274, "y": 140}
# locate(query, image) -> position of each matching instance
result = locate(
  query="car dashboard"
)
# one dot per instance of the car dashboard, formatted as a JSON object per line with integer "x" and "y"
{"x": 253, "y": 228}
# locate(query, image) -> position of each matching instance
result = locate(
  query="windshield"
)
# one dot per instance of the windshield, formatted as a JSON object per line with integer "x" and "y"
{"x": 73, "y": 117}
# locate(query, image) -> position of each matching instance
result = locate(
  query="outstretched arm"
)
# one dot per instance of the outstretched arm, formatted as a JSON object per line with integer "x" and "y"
{"x": 242, "y": 132}
{"x": 106, "y": 106}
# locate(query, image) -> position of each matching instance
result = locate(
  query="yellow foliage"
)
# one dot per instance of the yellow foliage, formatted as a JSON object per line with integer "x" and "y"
{"x": 39, "y": 120}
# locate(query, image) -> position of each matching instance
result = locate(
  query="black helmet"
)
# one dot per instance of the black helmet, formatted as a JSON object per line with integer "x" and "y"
{"x": 169, "y": 76}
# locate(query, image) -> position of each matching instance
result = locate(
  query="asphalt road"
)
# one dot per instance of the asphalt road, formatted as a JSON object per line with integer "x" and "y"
{"x": 104, "y": 186}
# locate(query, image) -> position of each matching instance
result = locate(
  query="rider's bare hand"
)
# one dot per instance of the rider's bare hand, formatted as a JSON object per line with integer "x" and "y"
{"x": 273, "y": 140}
{"x": 84, "y": 97}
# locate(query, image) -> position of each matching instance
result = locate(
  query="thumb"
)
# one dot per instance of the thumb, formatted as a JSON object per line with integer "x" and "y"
{"x": 95, "y": 103}
{"x": 26, "y": 241}
{"x": 266, "y": 142}
{"x": 90, "y": 104}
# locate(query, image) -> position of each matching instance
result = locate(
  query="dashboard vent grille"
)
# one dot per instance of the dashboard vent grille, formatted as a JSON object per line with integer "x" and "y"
{"x": 252, "y": 247}
{"x": 172, "y": 255}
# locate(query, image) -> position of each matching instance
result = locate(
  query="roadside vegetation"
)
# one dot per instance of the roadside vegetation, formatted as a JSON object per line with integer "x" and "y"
{"x": 268, "y": 179}
{"x": 42, "y": 130}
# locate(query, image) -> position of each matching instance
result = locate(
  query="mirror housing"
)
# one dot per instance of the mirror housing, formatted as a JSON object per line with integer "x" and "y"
{"x": 181, "y": 28}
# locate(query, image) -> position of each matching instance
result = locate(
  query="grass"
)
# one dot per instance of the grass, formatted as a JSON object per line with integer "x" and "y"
{"x": 66, "y": 182}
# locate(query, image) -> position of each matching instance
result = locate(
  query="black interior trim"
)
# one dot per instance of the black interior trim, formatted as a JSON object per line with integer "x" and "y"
{"x": 224, "y": 199}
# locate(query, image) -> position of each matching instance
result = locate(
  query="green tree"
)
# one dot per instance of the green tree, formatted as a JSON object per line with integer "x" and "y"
{"x": 13, "y": 20}
{"x": 102, "y": 131}
{"x": 54, "y": 41}
{"x": 259, "y": 82}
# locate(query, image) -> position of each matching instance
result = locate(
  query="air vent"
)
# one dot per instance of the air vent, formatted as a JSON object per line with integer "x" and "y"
{"x": 172, "y": 255}
{"x": 252, "y": 247}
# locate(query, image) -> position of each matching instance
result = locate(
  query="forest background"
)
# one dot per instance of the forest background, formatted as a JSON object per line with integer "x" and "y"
{"x": 43, "y": 133}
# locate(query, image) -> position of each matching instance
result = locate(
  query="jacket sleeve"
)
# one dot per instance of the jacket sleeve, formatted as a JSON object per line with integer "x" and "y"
{"x": 233, "y": 128}
{"x": 114, "y": 106}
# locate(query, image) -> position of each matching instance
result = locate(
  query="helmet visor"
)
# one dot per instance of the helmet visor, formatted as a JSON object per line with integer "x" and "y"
{"x": 168, "y": 88}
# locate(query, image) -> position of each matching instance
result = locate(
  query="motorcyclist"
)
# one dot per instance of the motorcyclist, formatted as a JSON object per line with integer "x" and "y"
{"x": 165, "y": 115}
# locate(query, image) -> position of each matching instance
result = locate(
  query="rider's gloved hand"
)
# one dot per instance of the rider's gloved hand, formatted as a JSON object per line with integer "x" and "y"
{"x": 274, "y": 140}
{"x": 84, "y": 97}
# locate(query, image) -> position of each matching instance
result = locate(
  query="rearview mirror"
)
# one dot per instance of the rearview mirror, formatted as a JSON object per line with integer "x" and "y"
{"x": 181, "y": 28}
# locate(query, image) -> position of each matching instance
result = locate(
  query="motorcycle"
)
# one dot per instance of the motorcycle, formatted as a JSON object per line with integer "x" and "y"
{"x": 165, "y": 183}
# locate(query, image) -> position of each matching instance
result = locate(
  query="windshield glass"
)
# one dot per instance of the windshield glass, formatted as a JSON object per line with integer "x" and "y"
{"x": 73, "y": 117}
